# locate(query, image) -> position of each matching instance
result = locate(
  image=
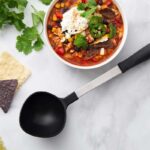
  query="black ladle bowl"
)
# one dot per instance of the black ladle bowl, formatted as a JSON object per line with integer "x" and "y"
{"x": 44, "y": 114}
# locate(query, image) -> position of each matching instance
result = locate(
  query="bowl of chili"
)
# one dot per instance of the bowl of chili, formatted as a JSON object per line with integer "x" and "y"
{"x": 85, "y": 34}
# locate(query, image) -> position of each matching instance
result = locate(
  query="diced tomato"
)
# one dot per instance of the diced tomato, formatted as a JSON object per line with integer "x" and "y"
{"x": 118, "y": 22}
{"x": 108, "y": 2}
{"x": 60, "y": 50}
{"x": 59, "y": 15}
{"x": 84, "y": 1}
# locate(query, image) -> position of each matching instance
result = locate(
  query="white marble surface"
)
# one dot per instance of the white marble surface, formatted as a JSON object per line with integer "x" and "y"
{"x": 115, "y": 116}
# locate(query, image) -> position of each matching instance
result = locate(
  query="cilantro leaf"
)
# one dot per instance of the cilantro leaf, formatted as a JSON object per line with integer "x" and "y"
{"x": 89, "y": 4}
{"x": 11, "y": 13}
{"x": 24, "y": 45}
{"x": 30, "y": 33}
{"x": 80, "y": 41}
{"x": 95, "y": 20}
{"x": 92, "y": 3}
{"x": 25, "y": 40}
{"x": 29, "y": 40}
{"x": 97, "y": 28}
{"x": 89, "y": 7}
{"x": 112, "y": 30}
{"x": 88, "y": 13}
{"x": 19, "y": 24}
{"x": 38, "y": 17}
{"x": 46, "y": 2}
{"x": 82, "y": 6}
{"x": 22, "y": 4}
{"x": 38, "y": 45}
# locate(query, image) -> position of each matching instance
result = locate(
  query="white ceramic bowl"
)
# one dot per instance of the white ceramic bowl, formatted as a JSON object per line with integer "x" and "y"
{"x": 101, "y": 63}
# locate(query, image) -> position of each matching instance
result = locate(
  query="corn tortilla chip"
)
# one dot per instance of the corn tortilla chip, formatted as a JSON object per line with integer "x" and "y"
{"x": 7, "y": 91}
{"x": 10, "y": 68}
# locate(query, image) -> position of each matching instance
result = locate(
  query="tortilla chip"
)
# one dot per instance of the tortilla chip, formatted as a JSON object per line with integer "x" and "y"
{"x": 7, "y": 91}
{"x": 10, "y": 68}
{"x": 1, "y": 145}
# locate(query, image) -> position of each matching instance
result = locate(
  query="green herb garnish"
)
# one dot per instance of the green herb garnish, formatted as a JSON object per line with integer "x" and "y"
{"x": 98, "y": 31}
{"x": 37, "y": 17}
{"x": 92, "y": 3}
{"x": 82, "y": 6}
{"x": 112, "y": 31}
{"x": 80, "y": 41}
{"x": 89, "y": 8}
{"x": 30, "y": 38}
{"x": 95, "y": 20}
{"x": 46, "y": 2}
{"x": 97, "y": 28}
{"x": 88, "y": 13}
{"x": 11, "y": 12}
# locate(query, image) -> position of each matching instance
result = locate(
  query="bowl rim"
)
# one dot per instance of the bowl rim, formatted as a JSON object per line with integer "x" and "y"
{"x": 118, "y": 50}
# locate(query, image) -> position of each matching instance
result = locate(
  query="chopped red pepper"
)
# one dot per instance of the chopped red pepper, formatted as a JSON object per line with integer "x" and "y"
{"x": 60, "y": 50}
{"x": 118, "y": 22}
{"x": 58, "y": 14}
{"x": 108, "y": 2}
{"x": 84, "y": 1}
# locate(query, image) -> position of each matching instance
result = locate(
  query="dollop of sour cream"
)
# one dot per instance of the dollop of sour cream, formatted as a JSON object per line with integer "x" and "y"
{"x": 73, "y": 22}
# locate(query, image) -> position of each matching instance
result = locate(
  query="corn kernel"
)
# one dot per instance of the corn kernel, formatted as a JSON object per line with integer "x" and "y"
{"x": 67, "y": 4}
{"x": 62, "y": 5}
{"x": 72, "y": 51}
{"x": 57, "y": 5}
{"x": 54, "y": 18}
{"x": 79, "y": 55}
{"x": 70, "y": 39}
{"x": 50, "y": 35}
{"x": 54, "y": 29}
{"x": 104, "y": 6}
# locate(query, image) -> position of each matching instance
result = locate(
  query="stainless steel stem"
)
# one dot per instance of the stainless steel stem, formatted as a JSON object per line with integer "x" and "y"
{"x": 98, "y": 81}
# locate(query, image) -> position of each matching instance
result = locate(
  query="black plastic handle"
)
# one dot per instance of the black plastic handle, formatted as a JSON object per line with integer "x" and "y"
{"x": 137, "y": 58}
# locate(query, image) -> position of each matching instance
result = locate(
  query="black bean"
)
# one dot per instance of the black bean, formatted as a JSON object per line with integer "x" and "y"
{"x": 88, "y": 48}
{"x": 105, "y": 21}
{"x": 58, "y": 21}
{"x": 64, "y": 32}
{"x": 100, "y": 2}
{"x": 61, "y": 0}
{"x": 63, "y": 10}
{"x": 66, "y": 42}
{"x": 77, "y": 48}
{"x": 49, "y": 27}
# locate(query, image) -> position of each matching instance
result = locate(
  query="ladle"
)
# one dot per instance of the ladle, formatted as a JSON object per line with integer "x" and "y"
{"x": 44, "y": 114}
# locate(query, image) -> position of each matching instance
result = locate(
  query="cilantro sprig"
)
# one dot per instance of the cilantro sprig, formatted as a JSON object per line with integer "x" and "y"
{"x": 112, "y": 31}
{"x": 30, "y": 38}
{"x": 80, "y": 41}
{"x": 11, "y": 12}
{"x": 97, "y": 28}
{"x": 89, "y": 8}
